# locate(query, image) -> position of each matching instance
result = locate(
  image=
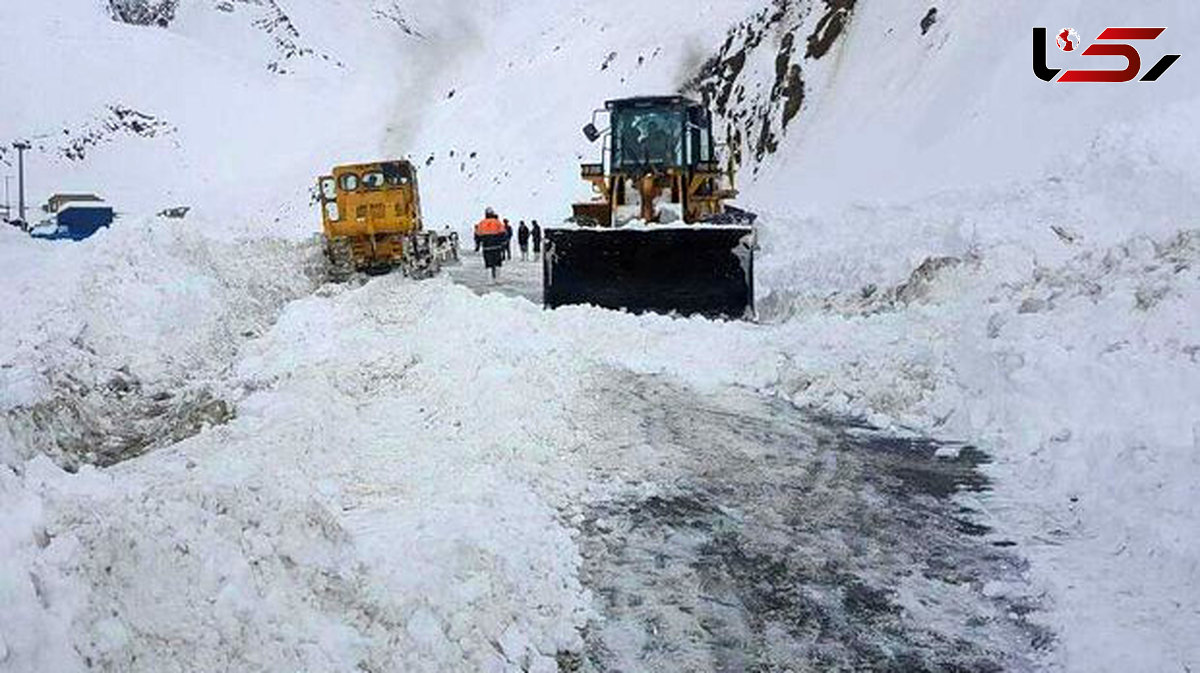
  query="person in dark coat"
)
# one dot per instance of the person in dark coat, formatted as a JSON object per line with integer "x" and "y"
{"x": 491, "y": 234}
{"x": 523, "y": 241}
{"x": 508, "y": 233}
{"x": 535, "y": 235}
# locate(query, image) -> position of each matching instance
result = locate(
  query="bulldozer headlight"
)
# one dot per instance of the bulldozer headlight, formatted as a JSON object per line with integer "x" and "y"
{"x": 332, "y": 212}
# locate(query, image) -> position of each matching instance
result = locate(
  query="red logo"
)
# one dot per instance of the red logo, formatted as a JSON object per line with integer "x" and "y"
{"x": 1068, "y": 41}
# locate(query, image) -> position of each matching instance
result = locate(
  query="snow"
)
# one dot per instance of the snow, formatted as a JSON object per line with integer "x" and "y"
{"x": 949, "y": 247}
{"x": 638, "y": 224}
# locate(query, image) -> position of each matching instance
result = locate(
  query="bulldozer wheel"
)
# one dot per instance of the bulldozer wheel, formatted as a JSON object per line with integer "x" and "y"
{"x": 420, "y": 258}
{"x": 339, "y": 256}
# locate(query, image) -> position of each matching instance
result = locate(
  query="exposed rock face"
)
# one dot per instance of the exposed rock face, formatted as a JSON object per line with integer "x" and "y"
{"x": 143, "y": 12}
{"x": 119, "y": 120}
{"x": 758, "y": 96}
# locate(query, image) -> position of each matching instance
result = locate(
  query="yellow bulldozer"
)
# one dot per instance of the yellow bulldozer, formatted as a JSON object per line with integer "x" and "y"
{"x": 660, "y": 235}
{"x": 372, "y": 221}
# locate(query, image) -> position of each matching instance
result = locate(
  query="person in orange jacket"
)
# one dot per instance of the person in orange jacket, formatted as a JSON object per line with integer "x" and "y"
{"x": 493, "y": 238}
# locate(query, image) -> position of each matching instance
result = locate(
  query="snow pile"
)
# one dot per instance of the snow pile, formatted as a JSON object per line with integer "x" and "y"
{"x": 373, "y": 504}
{"x": 121, "y": 340}
{"x": 1081, "y": 379}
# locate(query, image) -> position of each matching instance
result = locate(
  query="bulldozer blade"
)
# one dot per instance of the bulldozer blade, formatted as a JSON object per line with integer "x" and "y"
{"x": 706, "y": 271}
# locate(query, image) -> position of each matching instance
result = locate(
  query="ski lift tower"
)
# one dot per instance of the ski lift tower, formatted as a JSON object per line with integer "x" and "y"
{"x": 20, "y": 147}
{"x": 7, "y": 203}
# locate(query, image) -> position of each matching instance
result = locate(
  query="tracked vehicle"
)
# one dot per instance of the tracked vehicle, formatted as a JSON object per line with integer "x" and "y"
{"x": 659, "y": 236}
{"x": 371, "y": 215}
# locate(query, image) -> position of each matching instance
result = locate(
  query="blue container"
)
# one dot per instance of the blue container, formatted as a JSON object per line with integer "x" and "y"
{"x": 77, "y": 222}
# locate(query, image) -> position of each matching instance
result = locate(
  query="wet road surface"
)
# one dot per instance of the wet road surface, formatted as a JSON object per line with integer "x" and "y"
{"x": 517, "y": 278}
{"x": 777, "y": 541}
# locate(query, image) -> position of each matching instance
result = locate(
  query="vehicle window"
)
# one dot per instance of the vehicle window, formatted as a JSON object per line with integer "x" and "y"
{"x": 373, "y": 180}
{"x": 648, "y": 136}
{"x": 332, "y": 212}
{"x": 328, "y": 189}
{"x": 349, "y": 182}
{"x": 701, "y": 136}
{"x": 397, "y": 173}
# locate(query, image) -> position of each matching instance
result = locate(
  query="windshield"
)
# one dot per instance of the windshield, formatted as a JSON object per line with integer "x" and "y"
{"x": 373, "y": 180}
{"x": 647, "y": 136}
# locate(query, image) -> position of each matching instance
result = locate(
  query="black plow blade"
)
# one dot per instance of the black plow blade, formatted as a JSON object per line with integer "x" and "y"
{"x": 701, "y": 270}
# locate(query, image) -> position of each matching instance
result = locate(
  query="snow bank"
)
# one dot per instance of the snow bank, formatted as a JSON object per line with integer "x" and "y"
{"x": 122, "y": 338}
{"x": 1081, "y": 378}
{"x": 381, "y": 501}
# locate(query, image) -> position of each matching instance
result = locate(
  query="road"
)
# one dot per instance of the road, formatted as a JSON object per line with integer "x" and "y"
{"x": 516, "y": 278}
{"x": 739, "y": 533}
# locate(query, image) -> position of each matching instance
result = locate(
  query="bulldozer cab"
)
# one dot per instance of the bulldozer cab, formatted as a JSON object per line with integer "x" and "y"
{"x": 654, "y": 134}
{"x": 659, "y": 165}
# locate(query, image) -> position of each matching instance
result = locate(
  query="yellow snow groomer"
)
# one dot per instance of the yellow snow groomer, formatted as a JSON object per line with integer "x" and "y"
{"x": 372, "y": 221}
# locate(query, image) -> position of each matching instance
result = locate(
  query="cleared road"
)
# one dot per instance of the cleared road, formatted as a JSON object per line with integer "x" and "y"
{"x": 739, "y": 533}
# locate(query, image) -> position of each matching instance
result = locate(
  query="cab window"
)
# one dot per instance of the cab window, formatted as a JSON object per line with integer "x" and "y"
{"x": 373, "y": 180}
{"x": 328, "y": 189}
{"x": 647, "y": 136}
{"x": 349, "y": 182}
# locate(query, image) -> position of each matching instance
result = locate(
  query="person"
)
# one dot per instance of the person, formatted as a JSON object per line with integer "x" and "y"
{"x": 523, "y": 241}
{"x": 507, "y": 240}
{"x": 536, "y": 235}
{"x": 448, "y": 242}
{"x": 490, "y": 232}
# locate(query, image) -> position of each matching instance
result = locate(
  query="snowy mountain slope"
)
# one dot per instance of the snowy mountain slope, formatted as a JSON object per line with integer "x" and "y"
{"x": 957, "y": 106}
{"x": 950, "y": 246}
{"x": 250, "y": 100}
{"x": 503, "y": 126}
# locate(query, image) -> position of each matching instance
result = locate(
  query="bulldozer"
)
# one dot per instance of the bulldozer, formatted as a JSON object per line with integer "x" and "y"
{"x": 372, "y": 221}
{"x": 659, "y": 236}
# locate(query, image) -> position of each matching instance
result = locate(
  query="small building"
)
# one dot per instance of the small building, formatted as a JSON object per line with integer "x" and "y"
{"x": 74, "y": 217}
{"x": 57, "y": 201}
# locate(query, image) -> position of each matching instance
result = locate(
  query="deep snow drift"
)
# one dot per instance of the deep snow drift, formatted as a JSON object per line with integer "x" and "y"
{"x": 395, "y": 475}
